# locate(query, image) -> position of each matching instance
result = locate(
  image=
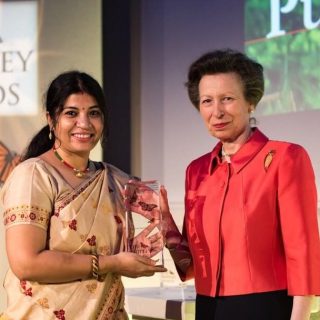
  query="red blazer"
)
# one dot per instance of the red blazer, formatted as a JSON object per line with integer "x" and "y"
{"x": 252, "y": 225}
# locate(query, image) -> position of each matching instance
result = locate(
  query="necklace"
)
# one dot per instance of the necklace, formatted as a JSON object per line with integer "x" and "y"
{"x": 77, "y": 172}
{"x": 227, "y": 156}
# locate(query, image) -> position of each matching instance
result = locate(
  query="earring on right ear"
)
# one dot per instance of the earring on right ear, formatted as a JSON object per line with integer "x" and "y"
{"x": 252, "y": 119}
{"x": 50, "y": 134}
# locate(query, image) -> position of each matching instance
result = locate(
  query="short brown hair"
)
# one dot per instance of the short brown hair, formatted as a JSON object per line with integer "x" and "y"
{"x": 227, "y": 61}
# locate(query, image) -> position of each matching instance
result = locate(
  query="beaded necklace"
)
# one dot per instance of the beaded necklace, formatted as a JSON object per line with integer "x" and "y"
{"x": 77, "y": 172}
{"x": 227, "y": 156}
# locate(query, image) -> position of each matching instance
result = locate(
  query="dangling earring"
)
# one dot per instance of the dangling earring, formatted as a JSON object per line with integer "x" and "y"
{"x": 252, "y": 119}
{"x": 50, "y": 134}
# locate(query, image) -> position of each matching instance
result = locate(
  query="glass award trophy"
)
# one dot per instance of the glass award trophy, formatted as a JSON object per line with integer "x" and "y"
{"x": 143, "y": 219}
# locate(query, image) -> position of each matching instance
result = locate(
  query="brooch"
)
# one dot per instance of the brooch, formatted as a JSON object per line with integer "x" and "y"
{"x": 268, "y": 159}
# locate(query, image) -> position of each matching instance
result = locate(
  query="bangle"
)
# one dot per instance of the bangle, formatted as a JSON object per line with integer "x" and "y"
{"x": 95, "y": 266}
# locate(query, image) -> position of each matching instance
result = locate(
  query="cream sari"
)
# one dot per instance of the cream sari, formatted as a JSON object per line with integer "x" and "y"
{"x": 88, "y": 219}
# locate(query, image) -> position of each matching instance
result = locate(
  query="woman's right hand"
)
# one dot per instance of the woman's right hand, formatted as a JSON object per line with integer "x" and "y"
{"x": 129, "y": 264}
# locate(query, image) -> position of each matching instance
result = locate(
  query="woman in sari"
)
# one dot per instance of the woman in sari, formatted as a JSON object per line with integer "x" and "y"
{"x": 64, "y": 216}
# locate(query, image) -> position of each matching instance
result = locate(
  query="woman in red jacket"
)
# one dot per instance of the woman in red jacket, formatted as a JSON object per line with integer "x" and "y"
{"x": 250, "y": 236}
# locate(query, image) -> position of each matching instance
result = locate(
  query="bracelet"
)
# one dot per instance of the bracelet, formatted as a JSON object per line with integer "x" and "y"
{"x": 95, "y": 266}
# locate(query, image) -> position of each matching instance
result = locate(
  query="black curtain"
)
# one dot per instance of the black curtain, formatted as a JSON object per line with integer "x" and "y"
{"x": 116, "y": 46}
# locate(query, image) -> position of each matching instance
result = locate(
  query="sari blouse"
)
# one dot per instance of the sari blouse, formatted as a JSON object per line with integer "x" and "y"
{"x": 85, "y": 220}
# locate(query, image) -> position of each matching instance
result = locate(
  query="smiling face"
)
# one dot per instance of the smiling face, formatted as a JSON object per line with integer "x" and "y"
{"x": 223, "y": 107}
{"x": 79, "y": 125}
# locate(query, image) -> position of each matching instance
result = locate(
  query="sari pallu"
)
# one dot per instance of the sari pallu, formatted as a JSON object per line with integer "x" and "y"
{"x": 85, "y": 220}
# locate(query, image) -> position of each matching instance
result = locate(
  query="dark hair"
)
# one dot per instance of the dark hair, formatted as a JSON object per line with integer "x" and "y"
{"x": 225, "y": 61}
{"x": 58, "y": 92}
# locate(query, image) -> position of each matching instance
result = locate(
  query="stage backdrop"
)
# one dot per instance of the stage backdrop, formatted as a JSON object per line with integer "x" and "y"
{"x": 284, "y": 38}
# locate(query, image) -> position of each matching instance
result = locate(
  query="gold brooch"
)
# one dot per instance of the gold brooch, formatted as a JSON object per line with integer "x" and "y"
{"x": 268, "y": 159}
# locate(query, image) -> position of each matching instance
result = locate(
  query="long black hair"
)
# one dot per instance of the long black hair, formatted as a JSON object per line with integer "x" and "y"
{"x": 59, "y": 90}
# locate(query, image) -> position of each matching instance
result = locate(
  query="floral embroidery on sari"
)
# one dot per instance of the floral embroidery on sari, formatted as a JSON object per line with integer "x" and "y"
{"x": 26, "y": 291}
{"x": 43, "y": 302}
{"x": 104, "y": 250}
{"x": 26, "y": 214}
{"x": 113, "y": 305}
{"x": 73, "y": 224}
{"x": 60, "y": 314}
{"x": 91, "y": 287}
{"x": 92, "y": 241}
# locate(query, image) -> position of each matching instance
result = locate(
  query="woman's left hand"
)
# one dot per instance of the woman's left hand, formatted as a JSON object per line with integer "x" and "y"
{"x": 148, "y": 245}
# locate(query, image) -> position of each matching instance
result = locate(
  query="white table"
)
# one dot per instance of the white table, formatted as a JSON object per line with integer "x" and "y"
{"x": 174, "y": 303}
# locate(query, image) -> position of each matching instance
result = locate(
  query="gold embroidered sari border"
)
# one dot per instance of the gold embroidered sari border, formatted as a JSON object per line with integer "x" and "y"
{"x": 62, "y": 203}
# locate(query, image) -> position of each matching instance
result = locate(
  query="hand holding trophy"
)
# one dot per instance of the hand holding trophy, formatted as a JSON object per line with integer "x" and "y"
{"x": 143, "y": 219}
